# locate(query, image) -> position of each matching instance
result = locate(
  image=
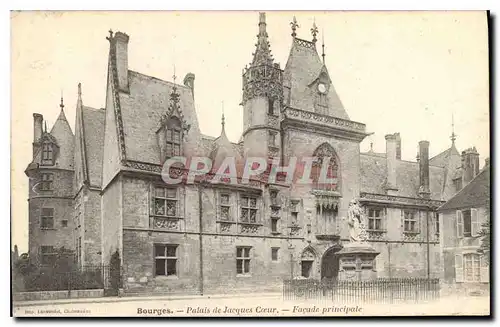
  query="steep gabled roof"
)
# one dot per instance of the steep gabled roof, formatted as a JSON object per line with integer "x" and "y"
{"x": 303, "y": 67}
{"x": 475, "y": 194}
{"x": 142, "y": 110}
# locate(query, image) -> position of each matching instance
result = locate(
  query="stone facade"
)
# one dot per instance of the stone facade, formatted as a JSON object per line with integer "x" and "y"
{"x": 206, "y": 238}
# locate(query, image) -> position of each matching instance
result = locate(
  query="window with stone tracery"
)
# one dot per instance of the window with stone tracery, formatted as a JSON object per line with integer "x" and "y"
{"x": 165, "y": 202}
{"x": 327, "y": 159}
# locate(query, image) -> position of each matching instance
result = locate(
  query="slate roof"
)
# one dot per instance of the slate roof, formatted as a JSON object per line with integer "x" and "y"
{"x": 61, "y": 131}
{"x": 373, "y": 176}
{"x": 475, "y": 194}
{"x": 141, "y": 112}
{"x": 93, "y": 128}
{"x": 303, "y": 67}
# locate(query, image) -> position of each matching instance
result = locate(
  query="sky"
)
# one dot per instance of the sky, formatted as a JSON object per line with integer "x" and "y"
{"x": 406, "y": 72}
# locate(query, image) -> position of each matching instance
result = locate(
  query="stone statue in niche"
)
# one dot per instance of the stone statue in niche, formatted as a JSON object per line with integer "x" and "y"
{"x": 357, "y": 232}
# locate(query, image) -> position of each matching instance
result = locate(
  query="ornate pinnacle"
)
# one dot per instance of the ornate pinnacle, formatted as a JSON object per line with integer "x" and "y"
{"x": 294, "y": 26}
{"x": 110, "y": 37}
{"x": 314, "y": 32}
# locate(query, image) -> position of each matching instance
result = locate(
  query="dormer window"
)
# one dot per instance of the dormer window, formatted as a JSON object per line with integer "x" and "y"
{"x": 47, "y": 154}
{"x": 173, "y": 138}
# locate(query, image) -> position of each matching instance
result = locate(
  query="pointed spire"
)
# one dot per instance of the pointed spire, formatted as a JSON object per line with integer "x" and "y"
{"x": 223, "y": 120}
{"x": 45, "y": 126}
{"x": 323, "y": 45}
{"x": 79, "y": 101}
{"x": 62, "y": 101}
{"x": 314, "y": 32}
{"x": 294, "y": 26}
{"x": 262, "y": 54}
{"x": 453, "y": 135}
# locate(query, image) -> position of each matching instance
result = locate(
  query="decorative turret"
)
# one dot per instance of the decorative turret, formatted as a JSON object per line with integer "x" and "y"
{"x": 262, "y": 99}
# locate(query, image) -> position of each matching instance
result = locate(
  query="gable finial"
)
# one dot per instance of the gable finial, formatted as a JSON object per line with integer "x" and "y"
{"x": 174, "y": 76}
{"x": 314, "y": 31}
{"x": 45, "y": 126}
{"x": 223, "y": 118}
{"x": 323, "y": 45}
{"x": 294, "y": 26}
{"x": 453, "y": 135}
{"x": 62, "y": 101}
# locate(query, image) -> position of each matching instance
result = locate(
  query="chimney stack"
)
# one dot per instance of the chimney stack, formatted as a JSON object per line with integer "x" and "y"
{"x": 470, "y": 165}
{"x": 423, "y": 163}
{"x": 398, "y": 146}
{"x": 189, "y": 81}
{"x": 37, "y": 127}
{"x": 391, "y": 163}
{"x": 121, "y": 51}
{"x": 37, "y": 131}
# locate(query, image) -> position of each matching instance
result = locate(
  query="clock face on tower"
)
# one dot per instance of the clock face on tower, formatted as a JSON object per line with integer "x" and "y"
{"x": 322, "y": 88}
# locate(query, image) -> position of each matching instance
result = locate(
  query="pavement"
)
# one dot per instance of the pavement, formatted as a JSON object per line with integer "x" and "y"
{"x": 241, "y": 305}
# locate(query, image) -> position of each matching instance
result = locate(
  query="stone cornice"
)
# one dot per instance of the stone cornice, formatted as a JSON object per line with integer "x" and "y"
{"x": 314, "y": 122}
{"x": 399, "y": 201}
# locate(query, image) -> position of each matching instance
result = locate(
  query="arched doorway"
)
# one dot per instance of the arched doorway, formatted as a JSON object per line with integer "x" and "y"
{"x": 330, "y": 263}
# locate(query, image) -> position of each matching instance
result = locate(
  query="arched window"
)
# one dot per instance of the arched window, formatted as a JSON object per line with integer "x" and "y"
{"x": 47, "y": 154}
{"x": 326, "y": 158}
{"x": 173, "y": 137}
{"x": 307, "y": 261}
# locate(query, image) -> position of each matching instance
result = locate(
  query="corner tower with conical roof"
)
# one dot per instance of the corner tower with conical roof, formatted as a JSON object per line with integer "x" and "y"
{"x": 51, "y": 174}
{"x": 262, "y": 99}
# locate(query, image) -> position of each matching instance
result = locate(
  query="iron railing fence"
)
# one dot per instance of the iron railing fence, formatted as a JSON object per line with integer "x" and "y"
{"x": 78, "y": 278}
{"x": 382, "y": 290}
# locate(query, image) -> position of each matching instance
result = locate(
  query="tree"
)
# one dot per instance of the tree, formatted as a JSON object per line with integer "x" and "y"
{"x": 484, "y": 233}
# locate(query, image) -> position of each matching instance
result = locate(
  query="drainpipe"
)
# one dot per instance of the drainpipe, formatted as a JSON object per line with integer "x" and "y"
{"x": 200, "y": 214}
{"x": 389, "y": 258}
{"x": 428, "y": 246}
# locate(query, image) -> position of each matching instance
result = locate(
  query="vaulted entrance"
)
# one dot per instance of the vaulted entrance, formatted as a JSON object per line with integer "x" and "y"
{"x": 330, "y": 263}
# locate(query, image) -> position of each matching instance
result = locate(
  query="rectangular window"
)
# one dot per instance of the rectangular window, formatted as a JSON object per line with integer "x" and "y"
{"x": 274, "y": 254}
{"x": 225, "y": 206}
{"x": 173, "y": 143}
{"x": 47, "y": 154}
{"x": 270, "y": 108}
{"x": 410, "y": 221}
{"x": 165, "y": 202}
{"x": 294, "y": 211}
{"x": 248, "y": 209}
{"x": 375, "y": 219}
{"x": 274, "y": 225}
{"x": 243, "y": 260}
{"x": 472, "y": 269}
{"x": 166, "y": 260}
{"x": 47, "y": 182}
{"x": 48, "y": 255}
{"x": 306, "y": 268}
{"x": 79, "y": 249}
{"x": 47, "y": 218}
{"x": 64, "y": 223}
{"x": 466, "y": 215}
{"x": 436, "y": 225}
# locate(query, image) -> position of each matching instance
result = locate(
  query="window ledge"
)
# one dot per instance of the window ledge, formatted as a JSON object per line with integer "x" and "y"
{"x": 167, "y": 217}
{"x": 243, "y": 275}
{"x": 166, "y": 277}
{"x": 248, "y": 223}
{"x": 376, "y": 231}
{"x": 276, "y": 233}
{"x": 226, "y": 221}
{"x": 411, "y": 233}
{"x": 47, "y": 228}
